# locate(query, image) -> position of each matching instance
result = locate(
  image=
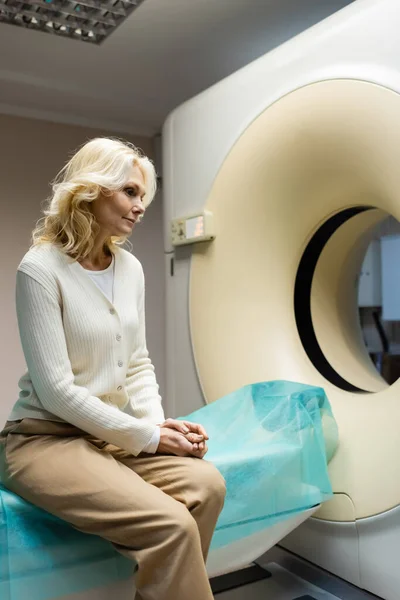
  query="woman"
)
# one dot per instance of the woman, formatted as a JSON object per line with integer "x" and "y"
{"x": 87, "y": 439}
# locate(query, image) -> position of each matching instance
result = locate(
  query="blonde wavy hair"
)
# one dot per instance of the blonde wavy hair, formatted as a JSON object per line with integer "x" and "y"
{"x": 101, "y": 166}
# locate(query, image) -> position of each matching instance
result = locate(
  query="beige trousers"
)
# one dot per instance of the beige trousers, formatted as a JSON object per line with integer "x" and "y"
{"x": 158, "y": 510}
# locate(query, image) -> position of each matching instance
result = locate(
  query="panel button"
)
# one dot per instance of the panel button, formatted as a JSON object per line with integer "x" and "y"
{"x": 119, "y": 337}
{"x": 120, "y": 363}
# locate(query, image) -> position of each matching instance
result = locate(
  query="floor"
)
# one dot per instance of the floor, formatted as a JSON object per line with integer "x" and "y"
{"x": 283, "y": 585}
{"x": 295, "y": 579}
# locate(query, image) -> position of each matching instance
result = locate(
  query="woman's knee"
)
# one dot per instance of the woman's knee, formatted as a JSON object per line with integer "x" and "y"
{"x": 181, "y": 521}
{"x": 209, "y": 482}
{"x": 217, "y": 484}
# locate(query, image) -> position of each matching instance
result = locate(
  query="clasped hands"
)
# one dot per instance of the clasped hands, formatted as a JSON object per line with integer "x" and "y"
{"x": 182, "y": 438}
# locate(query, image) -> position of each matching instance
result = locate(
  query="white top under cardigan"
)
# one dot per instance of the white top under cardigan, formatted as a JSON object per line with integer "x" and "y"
{"x": 87, "y": 358}
{"x": 104, "y": 279}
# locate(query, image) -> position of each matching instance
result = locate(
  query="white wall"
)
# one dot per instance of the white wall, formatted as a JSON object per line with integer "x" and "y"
{"x": 31, "y": 153}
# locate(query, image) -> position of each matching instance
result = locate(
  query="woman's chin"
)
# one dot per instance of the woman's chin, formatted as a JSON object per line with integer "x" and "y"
{"x": 123, "y": 232}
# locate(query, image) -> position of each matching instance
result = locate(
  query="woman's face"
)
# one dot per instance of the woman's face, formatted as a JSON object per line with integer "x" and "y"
{"x": 117, "y": 214}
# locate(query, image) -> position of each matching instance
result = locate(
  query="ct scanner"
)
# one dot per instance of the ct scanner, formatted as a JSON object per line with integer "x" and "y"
{"x": 281, "y": 172}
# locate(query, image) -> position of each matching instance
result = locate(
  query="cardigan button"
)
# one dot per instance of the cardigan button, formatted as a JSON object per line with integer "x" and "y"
{"x": 120, "y": 363}
{"x": 119, "y": 388}
{"x": 118, "y": 337}
{"x": 112, "y": 311}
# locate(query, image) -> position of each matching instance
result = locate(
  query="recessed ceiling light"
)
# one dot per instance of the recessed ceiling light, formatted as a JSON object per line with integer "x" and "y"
{"x": 89, "y": 21}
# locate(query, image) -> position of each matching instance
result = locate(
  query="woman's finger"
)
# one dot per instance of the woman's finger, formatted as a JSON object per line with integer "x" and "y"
{"x": 201, "y": 451}
{"x": 196, "y": 428}
{"x": 186, "y": 447}
{"x": 177, "y": 425}
{"x": 195, "y": 438}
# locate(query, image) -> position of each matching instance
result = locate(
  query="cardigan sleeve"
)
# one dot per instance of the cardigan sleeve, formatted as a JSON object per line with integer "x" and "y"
{"x": 141, "y": 384}
{"x": 44, "y": 345}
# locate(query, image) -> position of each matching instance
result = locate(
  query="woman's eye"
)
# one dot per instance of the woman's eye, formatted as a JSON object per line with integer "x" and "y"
{"x": 133, "y": 193}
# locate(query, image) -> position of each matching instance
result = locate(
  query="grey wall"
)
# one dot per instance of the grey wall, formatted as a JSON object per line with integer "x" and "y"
{"x": 31, "y": 153}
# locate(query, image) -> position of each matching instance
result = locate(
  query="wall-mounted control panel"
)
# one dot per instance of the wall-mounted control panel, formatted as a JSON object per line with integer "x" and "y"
{"x": 192, "y": 229}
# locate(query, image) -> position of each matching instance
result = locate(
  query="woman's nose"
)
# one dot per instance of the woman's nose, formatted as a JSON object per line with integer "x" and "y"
{"x": 138, "y": 207}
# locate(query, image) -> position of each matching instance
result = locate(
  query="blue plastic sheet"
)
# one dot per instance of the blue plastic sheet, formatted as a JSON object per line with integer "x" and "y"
{"x": 271, "y": 442}
{"x": 43, "y": 558}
